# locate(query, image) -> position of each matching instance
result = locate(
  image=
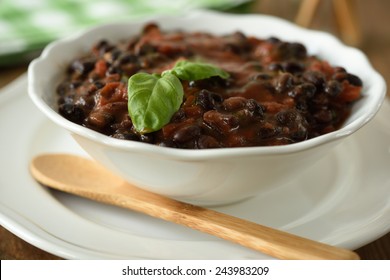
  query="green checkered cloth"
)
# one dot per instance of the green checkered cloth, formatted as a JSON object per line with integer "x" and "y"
{"x": 26, "y": 26}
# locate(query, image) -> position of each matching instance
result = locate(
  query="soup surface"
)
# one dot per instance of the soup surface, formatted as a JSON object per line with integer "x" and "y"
{"x": 276, "y": 93}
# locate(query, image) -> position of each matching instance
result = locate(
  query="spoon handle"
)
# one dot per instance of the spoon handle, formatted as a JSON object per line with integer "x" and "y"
{"x": 270, "y": 241}
{"x": 85, "y": 178}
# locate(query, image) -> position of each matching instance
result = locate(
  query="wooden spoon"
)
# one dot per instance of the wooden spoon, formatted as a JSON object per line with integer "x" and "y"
{"x": 86, "y": 178}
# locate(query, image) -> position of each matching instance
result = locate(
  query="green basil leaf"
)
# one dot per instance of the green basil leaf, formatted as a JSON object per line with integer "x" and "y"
{"x": 193, "y": 71}
{"x": 152, "y": 101}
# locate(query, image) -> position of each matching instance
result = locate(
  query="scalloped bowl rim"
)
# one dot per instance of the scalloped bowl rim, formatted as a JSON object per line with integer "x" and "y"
{"x": 377, "y": 84}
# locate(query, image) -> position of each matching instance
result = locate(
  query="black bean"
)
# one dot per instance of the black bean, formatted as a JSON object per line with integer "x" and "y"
{"x": 301, "y": 105}
{"x": 275, "y": 67}
{"x": 150, "y": 27}
{"x": 261, "y": 77}
{"x": 146, "y": 138}
{"x": 129, "y": 69}
{"x": 252, "y": 65}
{"x": 287, "y": 118}
{"x": 234, "y": 48}
{"x": 211, "y": 82}
{"x": 113, "y": 70}
{"x": 62, "y": 89}
{"x": 69, "y": 99}
{"x": 323, "y": 116}
{"x": 128, "y": 58}
{"x": 304, "y": 90}
{"x": 314, "y": 77}
{"x": 146, "y": 49}
{"x": 117, "y": 110}
{"x": 354, "y": 80}
{"x": 223, "y": 123}
{"x": 255, "y": 108}
{"x": 224, "y": 82}
{"x": 103, "y": 46}
{"x": 208, "y": 100}
{"x": 273, "y": 40}
{"x": 239, "y": 36}
{"x": 300, "y": 134}
{"x": 167, "y": 143}
{"x": 234, "y": 103}
{"x": 99, "y": 84}
{"x": 291, "y": 51}
{"x": 100, "y": 119}
{"x": 267, "y": 131}
{"x": 124, "y": 126}
{"x": 86, "y": 102}
{"x": 192, "y": 84}
{"x": 83, "y": 67}
{"x": 333, "y": 88}
{"x": 115, "y": 54}
{"x": 207, "y": 142}
{"x": 236, "y": 43}
{"x": 292, "y": 67}
{"x": 309, "y": 90}
{"x": 320, "y": 100}
{"x": 339, "y": 69}
{"x": 298, "y": 50}
{"x": 244, "y": 117}
{"x": 178, "y": 116}
{"x": 340, "y": 76}
{"x": 284, "y": 82}
{"x": 75, "y": 85}
{"x": 72, "y": 112}
{"x": 186, "y": 133}
{"x": 90, "y": 90}
{"x": 125, "y": 135}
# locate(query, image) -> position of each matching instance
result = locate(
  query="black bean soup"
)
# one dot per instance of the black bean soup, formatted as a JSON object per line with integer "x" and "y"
{"x": 276, "y": 94}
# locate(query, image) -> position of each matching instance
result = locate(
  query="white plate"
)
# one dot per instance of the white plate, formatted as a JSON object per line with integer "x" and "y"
{"x": 344, "y": 200}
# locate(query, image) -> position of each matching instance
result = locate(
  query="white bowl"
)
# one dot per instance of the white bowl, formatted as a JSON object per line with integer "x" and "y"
{"x": 211, "y": 176}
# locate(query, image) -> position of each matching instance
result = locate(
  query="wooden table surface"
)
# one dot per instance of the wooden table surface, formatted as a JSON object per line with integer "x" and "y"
{"x": 374, "y": 24}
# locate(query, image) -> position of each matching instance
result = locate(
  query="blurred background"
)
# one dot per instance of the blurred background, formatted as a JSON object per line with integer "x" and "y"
{"x": 26, "y": 26}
